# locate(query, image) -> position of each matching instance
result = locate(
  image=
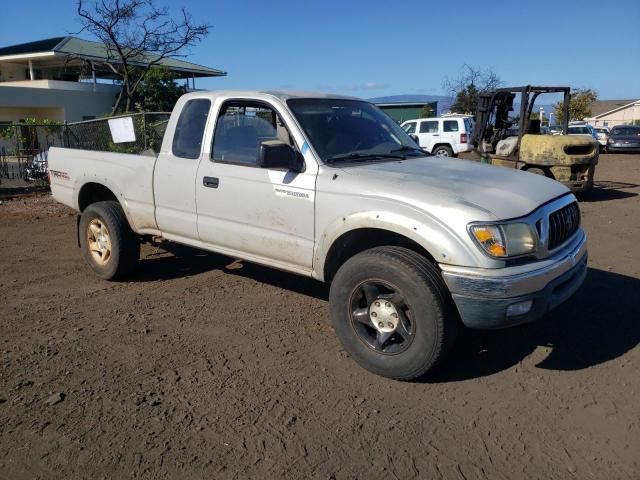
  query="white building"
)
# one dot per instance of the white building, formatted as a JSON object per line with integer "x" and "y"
{"x": 65, "y": 79}
{"x": 609, "y": 113}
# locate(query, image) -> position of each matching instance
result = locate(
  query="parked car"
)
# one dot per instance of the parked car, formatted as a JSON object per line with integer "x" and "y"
{"x": 443, "y": 136}
{"x": 603, "y": 135}
{"x": 624, "y": 138}
{"x": 331, "y": 188}
{"x": 585, "y": 130}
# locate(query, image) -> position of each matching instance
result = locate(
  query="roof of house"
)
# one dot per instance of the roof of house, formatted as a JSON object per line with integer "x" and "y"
{"x": 600, "y": 107}
{"x": 77, "y": 48}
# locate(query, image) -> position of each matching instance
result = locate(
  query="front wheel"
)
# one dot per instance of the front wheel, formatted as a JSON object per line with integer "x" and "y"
{"x": 392, "y": 312}
{"x": 443, "y": 151}
{"x": 108, "y": 244}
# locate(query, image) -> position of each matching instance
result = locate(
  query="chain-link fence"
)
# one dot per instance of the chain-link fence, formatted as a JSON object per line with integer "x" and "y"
{"x": 146, "y": 130}
{"x": 24, "y": 147}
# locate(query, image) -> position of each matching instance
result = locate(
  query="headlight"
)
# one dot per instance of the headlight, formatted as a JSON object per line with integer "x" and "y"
{"x": 508, "y": 240}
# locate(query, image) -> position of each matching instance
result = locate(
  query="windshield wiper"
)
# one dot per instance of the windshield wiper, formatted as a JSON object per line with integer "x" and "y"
{"x": 359, "y": 157}
{"x": 406, "y": 148}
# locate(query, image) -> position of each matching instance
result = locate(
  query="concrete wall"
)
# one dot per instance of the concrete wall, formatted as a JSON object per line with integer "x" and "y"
{"x": 15, "y": 114}
{"x": 620, "y": 117}
{"x": 74, "y": 103}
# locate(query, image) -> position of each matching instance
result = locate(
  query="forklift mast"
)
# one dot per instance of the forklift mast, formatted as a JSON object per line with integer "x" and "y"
{"x": 492, "y": 113}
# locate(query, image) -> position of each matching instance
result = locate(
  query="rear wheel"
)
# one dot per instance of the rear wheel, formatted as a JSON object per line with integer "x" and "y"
{"x": 443, "y": 151}
{"x": 392, "y": 312}
{"x": 108, "y": 244}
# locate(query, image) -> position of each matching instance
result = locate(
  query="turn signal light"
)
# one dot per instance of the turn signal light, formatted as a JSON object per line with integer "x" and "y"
{"x": 490, "y": 238}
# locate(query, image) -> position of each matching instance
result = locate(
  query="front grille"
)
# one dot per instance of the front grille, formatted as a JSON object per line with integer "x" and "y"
{"x": 563, "y": 224}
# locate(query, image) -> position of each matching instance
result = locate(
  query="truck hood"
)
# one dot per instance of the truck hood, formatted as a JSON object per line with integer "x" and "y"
{"x": 503, "y": 193}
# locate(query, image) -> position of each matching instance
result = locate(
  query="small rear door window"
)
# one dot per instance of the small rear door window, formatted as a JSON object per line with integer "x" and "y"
{"x": 187, "y": 139}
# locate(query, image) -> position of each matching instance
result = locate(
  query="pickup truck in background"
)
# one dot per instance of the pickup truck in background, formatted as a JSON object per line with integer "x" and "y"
{"x": 413, "y": 245}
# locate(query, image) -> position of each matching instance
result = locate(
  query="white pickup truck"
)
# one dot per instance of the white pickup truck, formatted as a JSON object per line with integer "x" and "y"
{"x": 330, "y": 187}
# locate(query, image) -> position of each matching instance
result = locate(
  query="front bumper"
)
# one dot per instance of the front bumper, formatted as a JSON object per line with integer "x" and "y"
{"x": 623, "y": 147}
{"x": 483, "y": 296}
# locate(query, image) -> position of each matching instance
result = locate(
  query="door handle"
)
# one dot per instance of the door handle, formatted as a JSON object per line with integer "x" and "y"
{"x": 210, "y": 182}
{"x": 436, "y": 134}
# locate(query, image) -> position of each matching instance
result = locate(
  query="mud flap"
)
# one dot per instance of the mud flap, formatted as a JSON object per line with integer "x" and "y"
{"x": 78, "y": 229}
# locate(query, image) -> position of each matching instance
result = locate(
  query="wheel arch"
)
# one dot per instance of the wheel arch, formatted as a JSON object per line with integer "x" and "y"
{"x": 92, "y": 192}
{"x": 443, "y": 144}
{"x": 358, "y": 240}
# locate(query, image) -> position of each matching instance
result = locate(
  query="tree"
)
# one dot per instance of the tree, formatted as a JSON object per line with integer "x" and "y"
{"x": 468, "y": 86}
{"x": 427, "y": 111}
{"x": 579, "y": 105}
{"x": 536, "y": 116}
{"x": 158, "y": 92}
{"x": 137, "y": 36}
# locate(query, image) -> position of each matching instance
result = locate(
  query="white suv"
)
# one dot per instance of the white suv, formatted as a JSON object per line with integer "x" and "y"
{"x": 444, "y": 136}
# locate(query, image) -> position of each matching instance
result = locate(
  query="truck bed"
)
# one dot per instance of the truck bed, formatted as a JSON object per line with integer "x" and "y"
{"x": 129, "y": 177}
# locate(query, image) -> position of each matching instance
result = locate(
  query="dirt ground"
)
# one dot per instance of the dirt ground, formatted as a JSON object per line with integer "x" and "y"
{"x": 204, "y": 367}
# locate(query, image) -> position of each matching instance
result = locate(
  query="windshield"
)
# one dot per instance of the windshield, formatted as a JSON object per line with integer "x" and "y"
{"x": 350, "y": 130}
{"x": 579, "y": 131}
{"x": 628, "y": 131}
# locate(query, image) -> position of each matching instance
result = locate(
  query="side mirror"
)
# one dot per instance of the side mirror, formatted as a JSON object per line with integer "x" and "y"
{"x": 279, "y": 155}
{"x": 415, "y": 138}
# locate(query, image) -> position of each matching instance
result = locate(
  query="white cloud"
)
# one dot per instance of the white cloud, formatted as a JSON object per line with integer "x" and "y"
{"x": 354, "y": 87}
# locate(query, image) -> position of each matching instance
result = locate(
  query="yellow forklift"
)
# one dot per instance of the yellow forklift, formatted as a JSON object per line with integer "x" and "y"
{"x": 517, "y": 141}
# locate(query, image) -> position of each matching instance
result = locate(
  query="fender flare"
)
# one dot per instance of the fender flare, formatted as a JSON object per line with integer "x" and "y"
{"x": 436, "y": 238}
{"x": 84, "y": 180}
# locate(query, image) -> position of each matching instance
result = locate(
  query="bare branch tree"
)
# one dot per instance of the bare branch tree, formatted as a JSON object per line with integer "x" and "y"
{"x": 137, "y": 36}
{"x": 465, "y": 89}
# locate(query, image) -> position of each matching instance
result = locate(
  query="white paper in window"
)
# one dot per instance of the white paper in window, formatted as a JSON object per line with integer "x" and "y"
{"x": 122, "y": 130}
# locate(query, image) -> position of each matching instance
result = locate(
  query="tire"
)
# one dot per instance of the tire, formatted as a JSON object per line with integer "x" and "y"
{"x": 109, "y": 246}
{"x": 427, "y": 322}
{"x": 443, "y": 151}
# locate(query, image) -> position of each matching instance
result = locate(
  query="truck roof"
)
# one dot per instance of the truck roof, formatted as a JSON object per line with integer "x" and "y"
{"x": 282, "y": 95}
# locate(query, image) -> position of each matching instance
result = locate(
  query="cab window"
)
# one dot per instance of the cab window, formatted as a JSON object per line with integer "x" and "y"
{"x": 410, "y": 127}
{"x": 242, "y": 127}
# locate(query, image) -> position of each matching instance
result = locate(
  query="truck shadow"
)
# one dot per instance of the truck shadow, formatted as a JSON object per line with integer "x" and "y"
{"x": 176, "y": 261}
{"x": 600, "y": 323}
{"x": 179, "y": 261}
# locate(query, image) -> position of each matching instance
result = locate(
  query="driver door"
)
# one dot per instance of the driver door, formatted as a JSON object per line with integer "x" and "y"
{"x": 261, "y": 214}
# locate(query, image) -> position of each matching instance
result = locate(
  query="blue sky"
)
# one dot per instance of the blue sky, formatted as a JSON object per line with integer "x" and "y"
{"x": 378, "y": 48}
